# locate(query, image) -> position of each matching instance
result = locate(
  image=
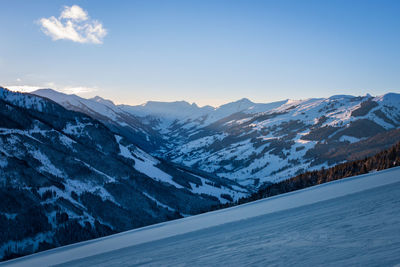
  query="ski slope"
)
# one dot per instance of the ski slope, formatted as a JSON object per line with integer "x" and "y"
{"x": 354, "y": 221}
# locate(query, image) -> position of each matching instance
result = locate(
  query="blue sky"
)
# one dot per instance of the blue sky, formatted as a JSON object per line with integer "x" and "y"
{"x": 208, "y": 52}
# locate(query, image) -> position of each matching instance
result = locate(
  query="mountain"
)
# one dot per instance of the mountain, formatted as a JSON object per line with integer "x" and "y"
{"x": 349, "y": 222}
{"x": 170, "y": 114}
{"x": 73, "y": 169}
{"x": 287, "y": 138}
{"x": 386, "y": 159}
{"x": 67, "y": 177}
{"x": 126, "y": 124}
{"x": 172, "y": 110}
{"x": 257, "y": 143}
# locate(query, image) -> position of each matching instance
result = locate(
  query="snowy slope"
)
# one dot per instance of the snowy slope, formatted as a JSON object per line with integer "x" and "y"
{"x": 142, "y": 161}
{"x": 106, "y": 111}
{"x": 346, "y": 222}
{"x": 103, "y": 108}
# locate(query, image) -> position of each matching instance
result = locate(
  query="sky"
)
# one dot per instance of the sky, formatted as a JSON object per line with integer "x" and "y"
{"x": 207, "y": 52}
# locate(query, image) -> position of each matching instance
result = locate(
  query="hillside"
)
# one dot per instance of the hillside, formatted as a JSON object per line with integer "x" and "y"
{"x": 386, "y": 159}
{"x": 253, "y": 147}
{"x": 114, "y": 117}
{"x": 66, "y": 177}
{"x": 346, "y": 222}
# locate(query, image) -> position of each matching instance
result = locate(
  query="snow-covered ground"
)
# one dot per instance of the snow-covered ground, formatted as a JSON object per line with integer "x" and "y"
{"x": 354, "y": 221}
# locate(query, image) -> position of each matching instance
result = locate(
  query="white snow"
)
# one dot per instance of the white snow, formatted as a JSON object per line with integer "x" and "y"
{"x": 92, "y": 106}
{"x": 76, "y": 129}
{"x": 109, "y": 178}
{"x": 23, "y": 100}
{"x": 147, "y": 167}
{"x": 350, "y": 139}
{"x": 65, "y": 140}
{"x": 47, "y": 166}
{"x": 145, "y": 163}
{"x": 158, "y": 202}
{"x": 6, "y": 131}
{"x": 205, "y": 188}
{"x": 284, "y": 229}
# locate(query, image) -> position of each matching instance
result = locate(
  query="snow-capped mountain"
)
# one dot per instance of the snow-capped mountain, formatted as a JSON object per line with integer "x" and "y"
{"x": 70, "y": 164}
{"x": 173, "y": 113}
{"x": 253, "y": 143}
{"x": 114, "y": 117}
{"x": 66, "y": 177}
{"x": 171, "y": 110}
{"x": 287, "y": 138}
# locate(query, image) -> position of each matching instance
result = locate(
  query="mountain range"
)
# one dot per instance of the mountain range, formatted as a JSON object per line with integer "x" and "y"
{"x": 253, "y": 143}
{"x": 73, "y": 169}
{"x": 66, "y": 177}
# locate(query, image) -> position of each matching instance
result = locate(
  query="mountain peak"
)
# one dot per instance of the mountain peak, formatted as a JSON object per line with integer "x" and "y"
{"x": 99, "y": 99}
{"x": 236, "y": 106}
{"x": 244, "y": 100}
{"x": 46, "y": 90}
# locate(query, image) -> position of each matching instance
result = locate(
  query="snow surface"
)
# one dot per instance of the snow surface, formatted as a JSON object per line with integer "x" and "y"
{"x": 95, "y": 105}
{"x": 47, "y": 166}
{"x": 145, "y": 163}
{"x": 358, "y": 225}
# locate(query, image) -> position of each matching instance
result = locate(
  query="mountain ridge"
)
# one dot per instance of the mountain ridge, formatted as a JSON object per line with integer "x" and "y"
{"x": 250, "y": 142}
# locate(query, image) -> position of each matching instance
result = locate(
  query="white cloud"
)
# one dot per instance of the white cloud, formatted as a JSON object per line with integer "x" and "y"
{"x": 74, "y": 24}
{"x": 78, "y": 90}
{"x": 67, "y": 90}
{"x": 74, "y": 12}
{"x": 23, "y": 88}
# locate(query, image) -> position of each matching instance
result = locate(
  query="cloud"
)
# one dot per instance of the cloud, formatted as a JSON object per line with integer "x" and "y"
{"x": 23, "y": 88}
{"x": 78, "y": 90}
{"x": 74, "y": 12}
{"x": 74, "y": 24}
{"x": 67, "y": 90}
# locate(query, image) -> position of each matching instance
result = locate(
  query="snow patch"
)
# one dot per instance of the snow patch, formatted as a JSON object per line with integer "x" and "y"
{"x": 158, "y": 202}
{"x": 350, "y": 139}
{"x": 145, "y": 163}
{"x": 47, "y": 166}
